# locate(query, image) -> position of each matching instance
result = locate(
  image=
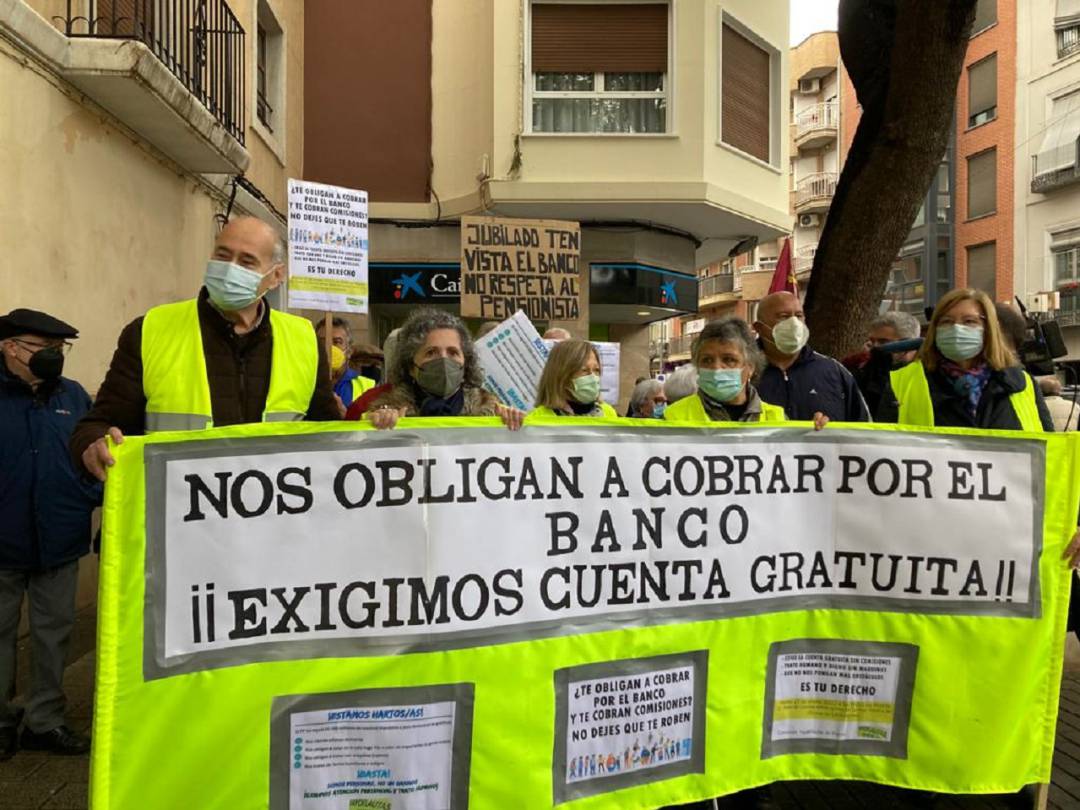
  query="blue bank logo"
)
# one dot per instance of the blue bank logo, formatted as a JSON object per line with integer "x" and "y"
{"x": 405, "y": 284}
{"x": 667, "y": 293}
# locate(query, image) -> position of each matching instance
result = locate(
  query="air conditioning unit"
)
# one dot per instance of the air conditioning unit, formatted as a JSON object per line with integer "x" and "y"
{"x": 809, "y": 220}
{"x": 1045, "y": 302}
{"x": 809, "y": 87}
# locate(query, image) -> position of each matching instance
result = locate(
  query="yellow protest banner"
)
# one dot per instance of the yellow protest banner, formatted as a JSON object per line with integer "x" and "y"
{"x": 618, "y": 614}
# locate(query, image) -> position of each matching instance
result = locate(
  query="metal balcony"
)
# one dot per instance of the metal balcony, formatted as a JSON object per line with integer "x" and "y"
{"x": 1043, "y": 182}
{"x": 817, "y": 126}
{"x": 719, "y": 288}
{"x": 804, "y": 259}
{"x": 814, "y": 193}
{"x": 200, "y": 42}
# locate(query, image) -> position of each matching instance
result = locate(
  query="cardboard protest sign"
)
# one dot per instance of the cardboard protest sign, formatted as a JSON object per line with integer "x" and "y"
{"x": 328, "y": 247}
{"x": 611, "y": 603}
{"x": 520, "y": 264}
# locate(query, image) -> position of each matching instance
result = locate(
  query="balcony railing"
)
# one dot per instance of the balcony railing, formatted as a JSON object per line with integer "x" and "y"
{"x": 712, "y": 286}
{"x": 680, "y": 345}
{"x": 201, "y": 42}
{"x": 804, "y": 258}
{"x": 1045, "y": 180}
{"x": 815, "y": 190}
{"x": 822, "y": 119}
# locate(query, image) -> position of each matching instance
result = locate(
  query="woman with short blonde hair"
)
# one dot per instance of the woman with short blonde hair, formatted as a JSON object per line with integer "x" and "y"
{"x": 965, "y": 374}
{"x": 570, "y": 382}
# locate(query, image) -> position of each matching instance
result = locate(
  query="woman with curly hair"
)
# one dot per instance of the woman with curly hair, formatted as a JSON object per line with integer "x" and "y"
{"x": 434, "y": 372}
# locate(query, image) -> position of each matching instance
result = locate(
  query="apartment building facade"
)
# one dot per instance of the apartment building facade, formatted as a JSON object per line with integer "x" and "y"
{"x": 659, "y": 126}
{"x": 1047, "y": 170}
{"x": 123, "y": 124}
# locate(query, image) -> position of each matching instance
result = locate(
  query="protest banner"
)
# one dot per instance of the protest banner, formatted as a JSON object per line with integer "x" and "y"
{"x": 328, "y": 248}
{"x": 611, "y": 615}
{"x": 513, "y": 356}
{"x": 520, "y": 264}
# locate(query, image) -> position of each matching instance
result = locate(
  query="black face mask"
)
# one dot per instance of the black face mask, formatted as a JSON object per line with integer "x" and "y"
{"x": 47, "y": 364}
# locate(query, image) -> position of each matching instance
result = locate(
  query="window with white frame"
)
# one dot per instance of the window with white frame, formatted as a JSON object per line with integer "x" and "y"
{"x": 1065, "y": 260}
{"x": 599, "y": 67}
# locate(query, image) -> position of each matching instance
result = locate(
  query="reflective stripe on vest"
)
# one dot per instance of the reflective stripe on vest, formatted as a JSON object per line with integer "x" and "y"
{"x": 692, "y": 409}
{"x": 174, "y": 369}
{"x": 912, "y": 391}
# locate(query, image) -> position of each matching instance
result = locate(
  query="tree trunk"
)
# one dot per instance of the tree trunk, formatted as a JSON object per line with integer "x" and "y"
{"x": 904, "y": 58}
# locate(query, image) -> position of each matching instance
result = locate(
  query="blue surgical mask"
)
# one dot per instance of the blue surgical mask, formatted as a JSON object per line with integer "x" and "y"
{"x": 231, "y": 287}
{"x": 586, "y": 388}
{"x": 958, "y": 342}
{"x": 721, "y": 384}
{"x": 658, "y": 410}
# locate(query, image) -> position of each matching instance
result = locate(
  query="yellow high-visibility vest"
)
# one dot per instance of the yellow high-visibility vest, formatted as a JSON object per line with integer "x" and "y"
{"x": 912, "y": 391}
{"x": 174, "y": 369}
{"x": 606, "y": 412}
{"x": 360, "y": 386}
{"x": 691, "y": 409}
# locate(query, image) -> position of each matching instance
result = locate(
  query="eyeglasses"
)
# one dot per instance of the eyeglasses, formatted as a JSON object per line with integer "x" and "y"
{"x": 63, "y": 346}
{"x": 967, "y": 320}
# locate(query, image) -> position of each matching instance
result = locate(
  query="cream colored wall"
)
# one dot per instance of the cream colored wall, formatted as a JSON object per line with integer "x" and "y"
{"x": 1040, "y": 75}
{"x": 461, "y": 85}
{"x": 95, "y": 228}
{"x": 267, "y": 170}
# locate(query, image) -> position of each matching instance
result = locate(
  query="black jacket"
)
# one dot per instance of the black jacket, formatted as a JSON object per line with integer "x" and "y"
{"x": 45, "y": 505}
{"x": 814, "y": 383}
{"x": 995, "y": 411}
{"x": 237, "y": 370}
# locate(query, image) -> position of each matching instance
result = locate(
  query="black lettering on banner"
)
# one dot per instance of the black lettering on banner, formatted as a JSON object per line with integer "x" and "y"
{"x": 665, "y": 465}
{"x": 237, "y": 493}
{"x": 605, "y": 530}
{"x": 545, "y": 591}
{"x": 558, "y": 533}
{"x": 894, "y": 568}
{"x": 688, "y": 568}
{"x": 657, "y": 586}
{"x": 734, "y": 530}
{"x": 325, "y": 589}
{"x": 613, "y": 478}
{"x": 942, "y": 564}
{"x": 597, "y": 583}
{"x": 341, "y": 478}
{"x": 767, "y": 582}
{"x": 392, "y": 584}
{"x": 433, "y": 603}
{"x": 219, "y": 501}
{"x": 652, "y": 527}
{"x": 483, "y": 597}
{"x": 513, "y": 594}
{"x": 390, "y": 483}
{"x": 702, "y": 515}
{"x": 810, "y": 467}
{"x": 527, "y": 479}
{"x": 370, "y": 607}
{"x": 849, "y": 558}
{"x": 295, "y": 490}
{"x": 425, "y": 464}
{"x": 289, "y": 610}
{"x": 247, "y": 621}
{"x": 716, "y": 588}
{"x": 621, "y": 594}
{"x": 974, "y": 579}
{"x": 506, "y": 479}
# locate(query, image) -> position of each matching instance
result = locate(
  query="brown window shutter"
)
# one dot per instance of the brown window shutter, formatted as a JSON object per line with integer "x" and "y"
{"x": 982, "y": 183}
{"x": 982, "y": 268}
{"x": 982, "y": 86}
{"x": 744, "y": 115}
{"x": 120, "y": 18}
{"x": 594, "y": 37}
{"x": 985, "y": 15}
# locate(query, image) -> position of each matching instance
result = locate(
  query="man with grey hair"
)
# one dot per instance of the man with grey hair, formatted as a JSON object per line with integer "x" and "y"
{"x": 893, "y": 342}
{"x": 222, "y": 358}
{"x": 647, "y": 401}
{"x": 894, "y": 327}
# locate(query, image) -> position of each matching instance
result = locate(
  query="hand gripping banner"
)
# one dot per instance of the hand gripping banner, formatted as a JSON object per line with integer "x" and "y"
{"x": 607, "y": 615}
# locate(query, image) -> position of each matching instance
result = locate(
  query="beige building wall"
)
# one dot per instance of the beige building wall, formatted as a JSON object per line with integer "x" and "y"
{"x": 97, "y": 224}
{"x": 1041, "y": 76}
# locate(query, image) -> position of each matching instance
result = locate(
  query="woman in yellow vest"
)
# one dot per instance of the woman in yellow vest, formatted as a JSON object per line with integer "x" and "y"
{"x": 727, "y": 358}
{"x": 570, "y": 383}
{"x": 965, "y": 374}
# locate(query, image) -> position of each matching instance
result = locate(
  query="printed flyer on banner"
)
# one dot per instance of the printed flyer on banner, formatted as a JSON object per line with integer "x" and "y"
{"x": 513, "y": 356}
{"x": 838, "y": 695}
{"x": 355, "y": 750}
{"x": 328, "y": 247}
{"x": 628, "y": 722}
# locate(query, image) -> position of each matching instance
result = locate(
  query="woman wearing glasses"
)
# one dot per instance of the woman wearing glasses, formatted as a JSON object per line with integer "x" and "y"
{"x": 965, "y": 374}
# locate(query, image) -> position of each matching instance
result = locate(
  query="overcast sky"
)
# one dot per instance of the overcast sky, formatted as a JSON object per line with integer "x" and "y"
{"x": 810, "y": 16}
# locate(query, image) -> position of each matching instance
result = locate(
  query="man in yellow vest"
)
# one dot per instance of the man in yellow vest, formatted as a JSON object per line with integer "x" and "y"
{"x": 223, "y": 358}
{"x": 349, "y": 384}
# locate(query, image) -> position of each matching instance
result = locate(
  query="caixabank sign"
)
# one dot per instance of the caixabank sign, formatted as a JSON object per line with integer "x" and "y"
{"x": 414, "y": 283}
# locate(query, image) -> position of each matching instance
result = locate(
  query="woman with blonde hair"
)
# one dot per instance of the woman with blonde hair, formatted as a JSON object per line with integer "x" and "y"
{"x": 570, "y": 382}
{"x": 965, "y": 374}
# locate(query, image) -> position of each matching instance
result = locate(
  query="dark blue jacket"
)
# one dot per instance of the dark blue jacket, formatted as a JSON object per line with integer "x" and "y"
{"x": 45, "y": 504}
{"x": 814, "y": 383}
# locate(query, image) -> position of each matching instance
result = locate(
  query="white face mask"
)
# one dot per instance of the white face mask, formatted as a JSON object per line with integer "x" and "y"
{"x": 790, "y": 335}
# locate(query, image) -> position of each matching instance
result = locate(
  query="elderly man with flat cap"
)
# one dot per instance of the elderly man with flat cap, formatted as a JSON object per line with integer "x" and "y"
{"x": 45, "y": 508}
{"x": 222, "y": 358}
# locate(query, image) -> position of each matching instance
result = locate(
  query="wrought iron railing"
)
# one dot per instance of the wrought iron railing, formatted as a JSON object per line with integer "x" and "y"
{"x": 201, "y": 42}
{"x": 680, "y": 345}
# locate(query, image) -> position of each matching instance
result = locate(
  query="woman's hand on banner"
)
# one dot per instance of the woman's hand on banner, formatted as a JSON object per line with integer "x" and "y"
{"x": 97, "y": 459}
{"x": 820, "y": 421}
{"x": 385, "y": 418}
{"x": 1072, "y": 551}
{"x": 511, "y": 417}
